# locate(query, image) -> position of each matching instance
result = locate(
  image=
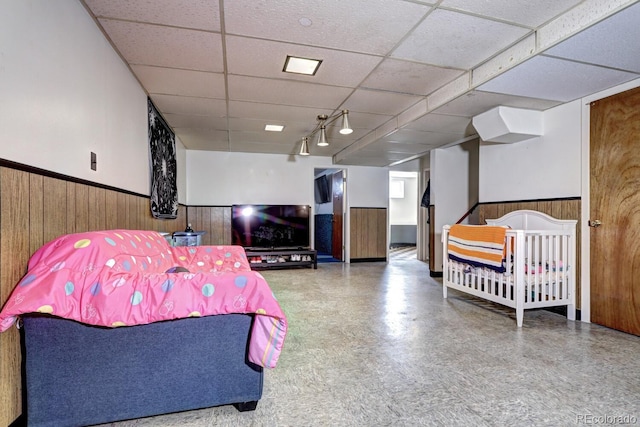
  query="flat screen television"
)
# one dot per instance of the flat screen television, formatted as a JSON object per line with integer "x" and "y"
{"x": 271, "y": 226}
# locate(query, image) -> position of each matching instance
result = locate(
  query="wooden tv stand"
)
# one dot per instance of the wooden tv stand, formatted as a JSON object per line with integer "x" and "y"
{"x": 281, "y": 258}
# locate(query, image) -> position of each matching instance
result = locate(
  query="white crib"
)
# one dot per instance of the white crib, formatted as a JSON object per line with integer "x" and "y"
{"x": 540, "y": 265}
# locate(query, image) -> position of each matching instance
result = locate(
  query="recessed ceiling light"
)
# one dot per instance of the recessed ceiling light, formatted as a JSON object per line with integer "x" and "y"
{"x": 274, "y": 128}
{"x": 297, "y": 65}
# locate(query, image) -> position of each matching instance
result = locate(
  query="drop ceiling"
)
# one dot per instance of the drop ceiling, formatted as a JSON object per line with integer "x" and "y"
{"x": 411, "y": 73}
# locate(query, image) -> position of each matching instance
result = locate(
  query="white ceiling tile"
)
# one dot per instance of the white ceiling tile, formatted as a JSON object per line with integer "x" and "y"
{"x": 253, "y": 142}
{"x": 458, "y": 40}
{"x": 189, "y": 105}
{"x": 291, "y": 129}
{"x": 379, "y": 102}
{"x": 398, "y": 105}
{"x": 367, "y": 26}
{"x": 409, "y": 77}
{"x": 523, "y": 12}
{"x": 396, "y": 147}
{"x": 250, "y": 147}
{"x": 254, "y": 110}
{"x": 148, "y": 44}
{"x": 594, "y": 45}
{"x": 476, "y": 102}
{"x": 580, "y": 17}
{"x": 263, "y": 137}
{"x": 199, "y": 14}
{"x": 171, "y": 81}
{"x": 411, "y": 136}
{"x": 265, "y": 58}
{"x": 362, "y": 160}
{"x": 195, "y": 121}
{"x": 271, "y": 91}
{"x": 555, "y": 79}
{"x": 443, "y": 123}
{"x": 203, "y": 139}
{"x": 359, "y": 120}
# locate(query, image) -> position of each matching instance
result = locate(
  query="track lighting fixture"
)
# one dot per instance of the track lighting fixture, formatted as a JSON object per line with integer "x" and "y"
{"x": 321, "y": 130}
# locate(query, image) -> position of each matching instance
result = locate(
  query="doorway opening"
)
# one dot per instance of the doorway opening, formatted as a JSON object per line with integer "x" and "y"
{"x": 329, "y": 190}
{"x": 403, "y": 214}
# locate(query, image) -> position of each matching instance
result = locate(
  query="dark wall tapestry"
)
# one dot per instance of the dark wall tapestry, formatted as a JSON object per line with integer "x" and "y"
{"x": 162, "y": 147}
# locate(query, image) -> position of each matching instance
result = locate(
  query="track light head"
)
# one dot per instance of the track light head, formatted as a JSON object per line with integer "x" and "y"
{"x": 304, "y": 147}
{"x": 345, "y": 129}
{"x": 322, "y": 137}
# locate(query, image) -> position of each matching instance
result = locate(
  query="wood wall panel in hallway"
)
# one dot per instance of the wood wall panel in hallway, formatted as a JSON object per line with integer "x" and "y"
{"x": 35, "y": 209}
{"x": 368, "y": 233}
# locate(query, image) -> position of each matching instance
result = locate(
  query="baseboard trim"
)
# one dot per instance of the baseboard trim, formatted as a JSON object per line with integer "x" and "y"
{"x": 354, "y": 260}
{"x": 21, "y": 421}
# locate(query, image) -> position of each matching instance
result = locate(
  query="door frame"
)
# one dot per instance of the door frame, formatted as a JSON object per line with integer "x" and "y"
{"x": 585, "y": 208}
{"x": 345, "y": 204}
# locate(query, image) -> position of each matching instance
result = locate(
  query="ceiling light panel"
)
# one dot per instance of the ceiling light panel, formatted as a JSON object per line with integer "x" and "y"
{"x": 297, "y": 65}
{"x": 258, "y": 126}
{"x": 273, "y": 128}
{"x": 339, "y": 68}
{"x": 262, "y": 137}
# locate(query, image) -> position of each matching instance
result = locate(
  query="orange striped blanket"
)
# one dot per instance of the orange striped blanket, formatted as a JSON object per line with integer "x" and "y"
{"x": 478, "y": 245}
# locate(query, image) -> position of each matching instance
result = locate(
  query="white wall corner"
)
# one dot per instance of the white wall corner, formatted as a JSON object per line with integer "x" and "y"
{"x": 508, "y": 125}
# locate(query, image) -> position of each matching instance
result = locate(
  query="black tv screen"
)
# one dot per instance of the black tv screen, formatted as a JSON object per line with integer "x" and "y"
{"x": 270, "y": 226}
{"x": 322, "y": 189}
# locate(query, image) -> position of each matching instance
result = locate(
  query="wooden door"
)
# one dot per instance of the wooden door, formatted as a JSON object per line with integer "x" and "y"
{"x": 337, "y": 190}
{"x": 615, "y": 202}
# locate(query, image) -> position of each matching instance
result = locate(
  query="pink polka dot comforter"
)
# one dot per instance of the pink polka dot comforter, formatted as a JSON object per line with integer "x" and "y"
{"x": 120, "y": 278}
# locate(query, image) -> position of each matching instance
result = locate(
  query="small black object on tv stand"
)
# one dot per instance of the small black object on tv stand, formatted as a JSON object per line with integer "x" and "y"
{"x": 263, "y": 259}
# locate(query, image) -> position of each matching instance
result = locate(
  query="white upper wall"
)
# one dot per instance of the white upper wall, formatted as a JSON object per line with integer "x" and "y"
{"x": 544, "y": 167}
{"x": 452, "y": 177}
{"x": 65, "y": 93}
{"x": 223, "y": 178}
{"x": 404, "y": 211}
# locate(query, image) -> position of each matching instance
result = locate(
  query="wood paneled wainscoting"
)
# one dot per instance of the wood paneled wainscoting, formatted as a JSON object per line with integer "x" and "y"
{"x": 557, "y": 208}
{"x": 214, "y": 220}
{"x": 368, "y": 234}
{"x": 36, "y": 207}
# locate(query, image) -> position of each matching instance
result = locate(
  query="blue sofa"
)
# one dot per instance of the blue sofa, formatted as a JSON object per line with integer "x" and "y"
{"x": 78, "y": 375}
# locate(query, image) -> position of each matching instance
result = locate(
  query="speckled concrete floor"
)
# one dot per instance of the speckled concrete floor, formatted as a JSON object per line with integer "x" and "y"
{"x": 375, "y": 344}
